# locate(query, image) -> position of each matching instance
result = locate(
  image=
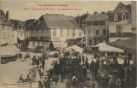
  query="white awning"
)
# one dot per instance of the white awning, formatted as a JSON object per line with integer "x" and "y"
{"x": 21, "y": 38}
{"x": 76, "y": 48}
{"x": 9, "y": 50}
{"x": 108, "y": 48}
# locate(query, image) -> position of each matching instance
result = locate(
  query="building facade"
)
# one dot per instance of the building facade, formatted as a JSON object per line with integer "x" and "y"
{"x": 133, "y": 16}
{"x": 20, "y": 33}
{"x": 7, "y": 34}
{"x": 55, "y": 29}
{"x": 96, "y": 28}
{"x": 120, "y": 26}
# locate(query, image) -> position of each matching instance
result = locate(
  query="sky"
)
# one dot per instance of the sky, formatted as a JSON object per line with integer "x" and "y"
{"x": 33, "y": 9}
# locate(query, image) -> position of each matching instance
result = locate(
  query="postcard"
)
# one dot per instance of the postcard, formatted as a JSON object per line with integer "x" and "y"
{"x": 67, "y": 44}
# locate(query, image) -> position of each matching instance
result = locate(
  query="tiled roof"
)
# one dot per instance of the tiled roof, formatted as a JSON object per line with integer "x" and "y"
{"x": 60, "y": 21}
{"x": 17, "y": 24}
{"x": 29, "y": 24}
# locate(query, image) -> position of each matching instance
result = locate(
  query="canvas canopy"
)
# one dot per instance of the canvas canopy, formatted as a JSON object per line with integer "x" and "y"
{"x": 76, "y": 48}
{"x": 21, "y": 38}
{"x": 107, "y": 48}
{"x": 8, "y": 51}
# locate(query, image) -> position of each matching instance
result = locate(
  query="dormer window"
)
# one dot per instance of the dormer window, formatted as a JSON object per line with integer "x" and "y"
{"x": 115, "y": 17}
{"x": 124, "y": 16}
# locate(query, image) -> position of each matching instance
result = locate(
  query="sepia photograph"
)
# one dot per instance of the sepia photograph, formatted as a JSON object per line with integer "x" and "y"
{"x": 67, "y": 44}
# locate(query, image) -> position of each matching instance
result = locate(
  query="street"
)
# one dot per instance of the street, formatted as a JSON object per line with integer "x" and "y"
{"x": 10, "y": 72}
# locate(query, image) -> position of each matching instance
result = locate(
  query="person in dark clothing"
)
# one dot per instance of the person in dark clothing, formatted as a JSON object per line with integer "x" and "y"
{"x": 83, "y": 59}
{"x": 39, "y": 84}
{"x": 105, "y": 81}
{"x": 99, "y": 80}
{"x": 37, "y": 62}
{"x": 33, "y": 60}
{"x": 125, "y": 62}
{"x": 47, "y": 83}
{"x": 43, "y": 63}
{"x": 62, "y": 74}
{"x": 21, "y": 79}
{"x": 91, "y": 66}
{"x": 20, "y": 55}
{"x": 87, "y": 64}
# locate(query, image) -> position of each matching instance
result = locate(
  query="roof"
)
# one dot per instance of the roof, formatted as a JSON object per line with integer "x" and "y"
{"x": 97, "y": 16}
{"x": 29, "y": 24}
{"x": 122, "y": 8}
{"x": 60, "y": 21}
{"x": 126, "y": 44}
{"x": 110, "y": 15}
{"x": 17, "y": 24}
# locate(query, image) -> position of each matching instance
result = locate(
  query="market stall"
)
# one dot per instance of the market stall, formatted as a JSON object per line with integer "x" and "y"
{"x": 8, "y": 53}
{"x": 75, "y": 48}
{"x": 107, "y": 48}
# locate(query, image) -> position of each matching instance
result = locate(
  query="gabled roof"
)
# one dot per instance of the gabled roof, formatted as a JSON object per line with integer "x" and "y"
{"x": 17, "y": 24}
{"x": 60, "y": 21}
{"x": 29, "y": 24}
{"x": 122, "y": 8}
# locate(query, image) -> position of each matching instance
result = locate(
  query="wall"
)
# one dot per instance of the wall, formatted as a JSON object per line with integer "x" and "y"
{"x": 61, "y": 35}
{"x": 133, "y": 14}
{"x": 8, "y": 35}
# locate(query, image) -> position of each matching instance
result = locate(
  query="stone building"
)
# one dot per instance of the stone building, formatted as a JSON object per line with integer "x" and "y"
{"x": 53, "y": 28}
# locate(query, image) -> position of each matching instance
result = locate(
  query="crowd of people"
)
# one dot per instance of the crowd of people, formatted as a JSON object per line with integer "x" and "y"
{"x": 78, "y": 71}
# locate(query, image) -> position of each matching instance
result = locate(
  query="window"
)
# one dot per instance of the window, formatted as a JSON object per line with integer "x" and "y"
{"x": 89, "y": 23}
{"x": 68, "y": 32}
{"x": 102, "y": 22}
{"x": 61, "y": 32}
{"x": 115, "y": 17}
{"x": 95, "y": 23}
{"x": 90, "y": 42}
{"x": 104, "y": 32}
{"x": 33, "y": 44}
{"x": 80, "y": 33}
{"x": 88, "y": 31}
{"x": 118, "y": 29}
{"x": 54, "y": 32}
{"x": 97, "y": 32}
{"x": 74, "y": 32}
{"x": 124, "y": 16}
{"x": 38, "y": 43}
{"x": 119, "y": 16}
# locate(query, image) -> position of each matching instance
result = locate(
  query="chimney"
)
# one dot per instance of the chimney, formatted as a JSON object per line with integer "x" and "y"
{"x": 7, "y": 14}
